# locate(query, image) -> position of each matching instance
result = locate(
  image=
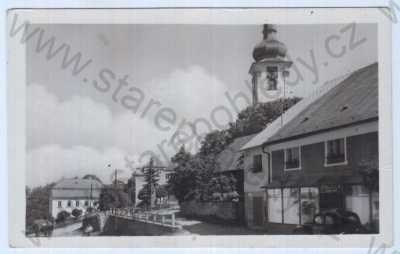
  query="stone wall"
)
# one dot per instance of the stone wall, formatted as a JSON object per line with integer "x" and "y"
{"x": 225, "y": 211}
{"x": 121, "y": 226}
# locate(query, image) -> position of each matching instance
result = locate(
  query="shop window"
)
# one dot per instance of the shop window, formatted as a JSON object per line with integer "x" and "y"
{"x": 292, "y": 158}
{"x": 335, "y": 152}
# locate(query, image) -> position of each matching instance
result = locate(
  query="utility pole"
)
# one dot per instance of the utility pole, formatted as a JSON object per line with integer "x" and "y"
{"x": 152, "y": 196}
{"x": 91, "y": 194}
{"x": 115, "y": 178}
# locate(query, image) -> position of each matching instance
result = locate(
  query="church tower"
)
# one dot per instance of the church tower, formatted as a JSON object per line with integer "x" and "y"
{"x": 270, "y": 68}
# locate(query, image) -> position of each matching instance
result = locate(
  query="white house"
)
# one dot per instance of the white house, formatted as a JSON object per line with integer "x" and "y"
{"x": 68, "y": 194}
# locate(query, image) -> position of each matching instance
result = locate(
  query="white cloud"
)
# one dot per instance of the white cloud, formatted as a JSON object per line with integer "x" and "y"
{"x": 50, "y": 163}
{"x": 79, "y": 136}
{"x": 191, "y": 93}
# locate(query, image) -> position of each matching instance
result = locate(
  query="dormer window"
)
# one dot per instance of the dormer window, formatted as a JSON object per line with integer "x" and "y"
{"x": 335, "y": 152}
{"x": 292, "y": 158}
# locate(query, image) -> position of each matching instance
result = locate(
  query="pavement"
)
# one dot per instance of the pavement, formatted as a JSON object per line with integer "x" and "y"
{"x": 197, "y": 227}
{"x": 69, "y": 230}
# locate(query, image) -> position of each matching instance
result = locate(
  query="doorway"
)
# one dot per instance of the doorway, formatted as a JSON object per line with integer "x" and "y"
{"x": 258, "y": 211}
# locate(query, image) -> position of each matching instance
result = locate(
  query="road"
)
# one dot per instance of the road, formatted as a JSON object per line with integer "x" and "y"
{"x": 69, "y": 230}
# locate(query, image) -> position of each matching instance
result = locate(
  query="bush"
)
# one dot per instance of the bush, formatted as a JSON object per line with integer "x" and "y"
{"x": 76, "y": 213}
{"x": 62, "y": 216}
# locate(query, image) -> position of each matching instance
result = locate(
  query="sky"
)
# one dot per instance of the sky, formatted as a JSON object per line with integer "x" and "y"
{"x": 73, "y": 128}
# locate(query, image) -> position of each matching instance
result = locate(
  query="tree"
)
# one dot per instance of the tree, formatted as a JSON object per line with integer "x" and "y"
{"x": 183, "y": 177}
{"x": 76, "y": 213}
{"x": 254, "y": 119}
{"x": 151, "y": 177}
{"x": 62, "y": 216}
{"x": 37, "y": 203}
{"x": 130, "y": 188}
{"x": 223, "y": 188}
{"x": 368, "y": 169}
{"x": 161, "y": 191}
{"x": 215, "y": 142}
{"x": 193, "y": 173}
{"x": 109, "y": 198}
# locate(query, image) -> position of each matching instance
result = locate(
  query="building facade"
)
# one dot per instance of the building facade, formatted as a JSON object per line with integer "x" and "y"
{"x": 70, "y": 194}
{"x": 321, "y": 154}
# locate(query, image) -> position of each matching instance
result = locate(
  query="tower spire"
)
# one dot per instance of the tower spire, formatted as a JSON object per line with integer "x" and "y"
{"x": 269, "y": 63}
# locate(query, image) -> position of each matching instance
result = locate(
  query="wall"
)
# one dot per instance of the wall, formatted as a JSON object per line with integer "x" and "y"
{"x": 254, "y": 181}
{"x": 120, "y": 226}
{"x": 359, "y": 147}
{"x": 225, "y": 211}
{"x": 54, "y": 209}
{"x": 249, "y": 206}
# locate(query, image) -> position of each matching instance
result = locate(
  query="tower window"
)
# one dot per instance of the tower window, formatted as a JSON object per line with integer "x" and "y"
{"x": 272, "y": 78}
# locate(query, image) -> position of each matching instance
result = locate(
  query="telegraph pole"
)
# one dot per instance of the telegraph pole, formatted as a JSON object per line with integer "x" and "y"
{"x": 91, "y": 194}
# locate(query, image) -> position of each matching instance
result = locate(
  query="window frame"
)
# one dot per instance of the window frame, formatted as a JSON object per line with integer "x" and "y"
{"x": 253, "y": 163}
{"x": 285, "y": 156}
{"x": 69, "y": 203}
{"x": 344, "y": 162}
{"x": 59, "y": 204}
{"x": 77, "y": 203}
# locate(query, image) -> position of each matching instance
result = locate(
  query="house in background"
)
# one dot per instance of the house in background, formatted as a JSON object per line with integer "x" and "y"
{"x": 164, "y": 173}
{"x": 311, "y": 159}
{"x": 68, "y": 194}
{"x": 230, "y": 163}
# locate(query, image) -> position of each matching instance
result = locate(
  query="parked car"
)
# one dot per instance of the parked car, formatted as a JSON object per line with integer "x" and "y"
{"x": 42, "y": 227}
{"x": 333, "y": 222}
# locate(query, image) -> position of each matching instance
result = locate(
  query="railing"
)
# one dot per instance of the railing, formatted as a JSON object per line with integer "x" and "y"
{"x": 162, "y": 218}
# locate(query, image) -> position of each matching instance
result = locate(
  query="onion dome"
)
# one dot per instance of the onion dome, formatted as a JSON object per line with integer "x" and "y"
{"x": 269, "y": 47}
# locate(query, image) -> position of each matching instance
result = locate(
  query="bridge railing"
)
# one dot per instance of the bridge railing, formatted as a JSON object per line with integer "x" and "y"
{"x": 163, "y": 218}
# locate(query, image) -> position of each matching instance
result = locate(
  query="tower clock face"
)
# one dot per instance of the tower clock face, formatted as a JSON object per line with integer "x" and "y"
{"x": 272, "y": 78}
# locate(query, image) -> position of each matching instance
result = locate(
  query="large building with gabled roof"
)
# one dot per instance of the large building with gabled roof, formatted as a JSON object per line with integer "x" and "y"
{"x": 317, "y": 156}
{"x": 70, "y": 193}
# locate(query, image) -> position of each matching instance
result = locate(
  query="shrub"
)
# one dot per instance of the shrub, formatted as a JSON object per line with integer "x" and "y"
{"x": 62, "y": 216}
{"x": 76, "y": 212}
